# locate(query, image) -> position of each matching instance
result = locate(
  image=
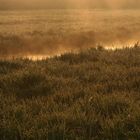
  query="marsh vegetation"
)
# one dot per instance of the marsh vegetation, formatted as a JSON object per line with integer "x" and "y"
{"x": 93, "y": 95}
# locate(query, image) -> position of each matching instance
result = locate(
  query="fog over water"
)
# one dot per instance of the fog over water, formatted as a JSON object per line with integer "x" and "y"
{"x": 52, "y": 32}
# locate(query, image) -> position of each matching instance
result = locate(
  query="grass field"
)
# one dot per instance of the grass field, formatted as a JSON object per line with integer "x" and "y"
{"x": 93, "y": 95}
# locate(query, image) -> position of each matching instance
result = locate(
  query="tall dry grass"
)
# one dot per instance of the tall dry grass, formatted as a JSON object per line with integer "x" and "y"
{"x": 91, "y": 95}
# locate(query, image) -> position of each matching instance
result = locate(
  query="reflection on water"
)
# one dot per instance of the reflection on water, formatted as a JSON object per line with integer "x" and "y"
{"x": 36, "y": 57}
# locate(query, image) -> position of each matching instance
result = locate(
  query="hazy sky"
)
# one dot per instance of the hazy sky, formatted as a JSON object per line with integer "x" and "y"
{"x": 6, "y": 4}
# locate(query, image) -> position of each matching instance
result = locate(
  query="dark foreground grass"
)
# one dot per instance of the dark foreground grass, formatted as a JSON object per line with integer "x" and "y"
{"x": 93, "y": 95}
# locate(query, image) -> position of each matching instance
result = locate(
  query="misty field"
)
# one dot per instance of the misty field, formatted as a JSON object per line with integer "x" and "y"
{"x": 52, "y": 32}
{"x": 79, "y": 91}
{"x": 92, "y": 95}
